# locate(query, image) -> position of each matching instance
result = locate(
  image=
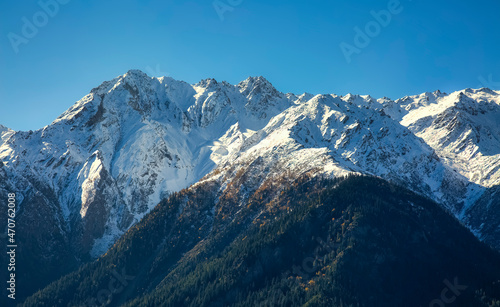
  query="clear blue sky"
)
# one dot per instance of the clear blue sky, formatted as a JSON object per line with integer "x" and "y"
{"x": 429, "y": 45}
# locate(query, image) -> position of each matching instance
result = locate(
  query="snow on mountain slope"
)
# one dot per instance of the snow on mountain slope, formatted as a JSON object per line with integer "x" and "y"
{"x": 326, "y": 135}
{"x": 464, "y": 128}
{"x": 5, "y": 133}
{"x": 112, "y": 156}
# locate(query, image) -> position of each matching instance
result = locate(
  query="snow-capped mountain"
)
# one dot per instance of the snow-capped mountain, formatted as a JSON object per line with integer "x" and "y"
{"x": 464, "y": 129}
{"x": 110, "y": 158}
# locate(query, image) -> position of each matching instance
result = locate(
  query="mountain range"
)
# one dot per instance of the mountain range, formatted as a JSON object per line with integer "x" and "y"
{"x": 136, "y": 141}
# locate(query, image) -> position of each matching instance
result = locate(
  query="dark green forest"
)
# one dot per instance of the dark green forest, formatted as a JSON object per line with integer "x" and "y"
{"x": 353, "y": 241}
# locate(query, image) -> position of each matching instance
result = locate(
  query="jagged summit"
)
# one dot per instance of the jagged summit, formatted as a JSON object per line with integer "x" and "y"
{"x": 488, "y": 90}
{"x": 257, "y": 85}
{"x": 253, "y": 80}
{"x": 207, "y": 83}
{"x": 137, "y": 73}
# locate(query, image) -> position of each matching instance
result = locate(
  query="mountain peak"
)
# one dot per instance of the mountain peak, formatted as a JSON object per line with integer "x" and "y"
{"x": 136, "y": 77}
{"x": 359, "y": 100}
{"x": 136, "y": 73}
{"x": 254, "y": 82}
{"x": 207, "y": 83}
{"x": 257, "y": 86}
{"x": 5, "y": 133}
{"x": 488, "y": 90}
{"x": 256, "y": 79}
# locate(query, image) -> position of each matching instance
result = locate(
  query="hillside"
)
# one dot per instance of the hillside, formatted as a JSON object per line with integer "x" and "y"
{"x": 356, "y": 241}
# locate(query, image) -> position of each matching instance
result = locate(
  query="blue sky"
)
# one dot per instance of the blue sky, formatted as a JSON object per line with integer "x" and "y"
{"x": 75, "y": 45}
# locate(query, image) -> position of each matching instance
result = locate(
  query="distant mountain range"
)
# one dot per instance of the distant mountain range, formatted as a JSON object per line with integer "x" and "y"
{"x": 84, "y": 180}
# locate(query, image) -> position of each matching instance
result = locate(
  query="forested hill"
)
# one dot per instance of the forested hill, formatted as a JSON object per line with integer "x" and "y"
{"x": 354, "y": 241}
